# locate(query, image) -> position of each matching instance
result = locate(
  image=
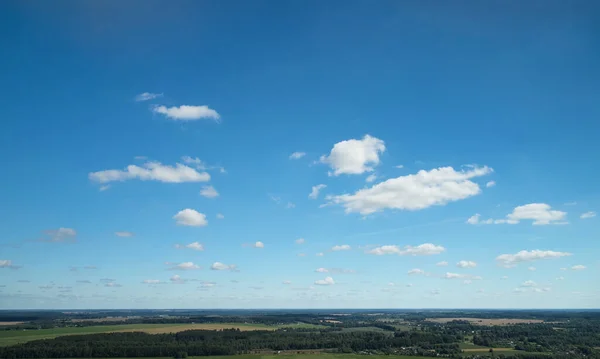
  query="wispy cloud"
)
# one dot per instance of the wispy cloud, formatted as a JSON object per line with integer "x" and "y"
{"x": 187, "y": 113}
{"x": 146, "y": 96}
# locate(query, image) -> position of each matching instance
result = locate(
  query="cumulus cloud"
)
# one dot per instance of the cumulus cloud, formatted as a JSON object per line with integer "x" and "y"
{"x": 466, "y": 264}
{"x": 314, "y": 193}
{"x": 449, "y": 275}
{"x": 190, "y": 217}
{"x": 176, "y": 279}
{"x": 587, "y": 215}
{"x": 297, "y": 155}
{"x": 540, "y": 213}
{"x": 413, "y": 192}
{"x": 195, "y": 246}
{"x": 441, "y": 264}
{"x": 145, "y": 96}
{"x": 510, "y": 260}
{"x": 151, "y": 171}
{"x": 209, "y": 192}
{"x": 151, "y": 281}
{"x": 185, "y": 266}
{"x": 416, "y": 271}
{"x": 371, "y": 178}
{"x": 259, "y": 244}
{"x": 354, "y": 156}
{"x": 187, "y": 113}
{"x": 578, "y": 267}
{"x": 222, "y": 266}
{"x": 343, "y": 247}
{"x": 300, "y": 241}
{"x": 220, "y": 216}
{"x": 124, "y": 234}
{"x": 490, "y": 184}
{"x": 326, "y": 281}
{"x": 60, "y": 235}
{"x": 420, "y": 250}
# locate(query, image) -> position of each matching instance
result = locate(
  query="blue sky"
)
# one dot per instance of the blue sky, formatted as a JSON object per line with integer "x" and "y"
{"x": 149, "y": 154}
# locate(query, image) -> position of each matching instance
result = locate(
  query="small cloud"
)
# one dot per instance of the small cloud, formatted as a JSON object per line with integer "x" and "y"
{"x": 322, "y": 270}
{"x": 90, "y": 267}
{"x": 300, "y": 241}
{"x": 399, "y": 166}
{"x": 510, "y": 260}
{"x": 371, "y": 178}
{"x": 409, "y": 285}
{"x": 442, "y": 264}
{"x": 177, "y": 279}
{"x": 528, "y": 283}
{"x": 190, "y": 217}
{"x": 151, "y": 281}
{"x": 564, "y": 268}
{"x": 194, "y": 246}
{"x": 578, "y": 267}
{"x": 297, "y": 155}
{"x": 84, "y": 281}
{"x": 124, "y": 234}
{"x": 151, "y": 171}
{"x": 145, "y": 96}
{"x": 314, "y": 193}
{"x": 449, "y": 275}
{"x": 290, "y": 205}
{"x": 420, "y": 250}
{"x": 259, "y": 244}
{"x": 586, "y": 215}
{"x": 207, "y": 284}
{"x": 504, "y": 277}
{"x": 60, "y": 235}
{"x": 222, "y": 266}
{"x": 416, "y": 271}
{"x": 466, "y": 264}
{"x": 23, "y": 281}
{"x": 467, "y": 281}
{"x": 320, "y": 254}
{"x": 326, "y": 281}
{"x": 113, "y": 285}
{"x": 301, "y": 254}
{"x": 570, "y": 204}
{"x": 490, "y": 184}
{"x": 560, "y": 278}
{"x": 220, "y": 216}
{"x": 532, "y": 269}
{"x": 391, "y": 284}
{"x": 185, "y": 266}
{"x": 104, "y": 188}
{"x": 187, "y": 113}
{"x": 343, "y": 247}
{"x": 209, "y": 192}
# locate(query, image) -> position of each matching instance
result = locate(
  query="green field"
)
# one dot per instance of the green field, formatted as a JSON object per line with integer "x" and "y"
{"x": 299, "y": 356}
{"x": 11, "y": 337}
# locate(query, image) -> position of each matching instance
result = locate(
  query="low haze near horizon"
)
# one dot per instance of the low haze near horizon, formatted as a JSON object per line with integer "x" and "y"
{"x": 280, "y": 154}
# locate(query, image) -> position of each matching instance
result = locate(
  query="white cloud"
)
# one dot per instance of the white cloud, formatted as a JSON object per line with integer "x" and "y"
{"x": 195, "y": 246}
{"x": 300, "y": 241}
{"x": 578, "y": 267}
{"x": 449, "y": 275}
{"x": 586, "y": 215}
{"x": 190, "y": 217}
{"x": 343, "y": 247}
{"x": 297, "y": 155}
{"x": 259, "y": 244}
{"x": 541, "y": 290}
{"x": 442, "y": 264}
{"x": 528, "y": 283}
{"x": 290, "y": 205}
{"x": 314, "y": 193}
{"x": 490, "y": 184}
{"x": 104, "y": 188}
{"x": 570, "y": 203}
{"x": 371, "y": 178}
{"x": 504, "y": 277}
{"x": 474, "y": 219}
{"x": 510, "y": 260}
{"x": 326, "y": 281}
{"x": 414, "y": 192}
{"x": 320, "y": 254}
{"x": 124, "y": 234}
{"x": 220, "y": 216}
{"x": 151, "y": 281}
{"x": 151, "y": 171}
{"x": 399, "y": 166}
{"x": 540, "y": 213}
{"x": 532, "y": 268}
{"x": 206, "y": 284}
{"x": 416, "y": 271}
{"x": 222, "y": 266}
{"x": 467, "y": 281}
{"x": 7, "y": 263}
{"x": 185, "y": 266}
{"x": 563, "y": 268}
{"x": 424, "y": 249}
{"x": 145, "y": 96}
{"x": 176, "y": 279}
{"x": 322, "y": 270}
{"x": 187, "y": 113}
{"x": 560, "y": 278}
{"x": 209, "y": 192}
{"x": 466, "y": 264}
{"x": 60, "y": 235}
{"x": 354, "y": 156}
{"x": 287, "y": 282}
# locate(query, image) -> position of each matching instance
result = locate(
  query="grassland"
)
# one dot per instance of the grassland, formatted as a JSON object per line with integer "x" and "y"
{"x": 482, "y": 321}
{"x": 11, "y": 337}
{"x": 300, "y": 356}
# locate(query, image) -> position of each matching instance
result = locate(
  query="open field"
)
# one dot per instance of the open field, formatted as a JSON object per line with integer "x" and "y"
{"x": 485, "y": 350}
{"x": 101, "y": 320}
{"x": 481, "y": 321}
{"x": 11, "y": 323}
{"x": 11, "y": 337}
{"x": 298, "y": 356}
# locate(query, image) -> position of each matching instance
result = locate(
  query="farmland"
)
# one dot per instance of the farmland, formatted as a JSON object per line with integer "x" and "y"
{"x": 484, "y": 321}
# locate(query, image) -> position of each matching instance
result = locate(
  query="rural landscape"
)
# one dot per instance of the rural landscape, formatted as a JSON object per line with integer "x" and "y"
{"x": 299, "y": 334}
